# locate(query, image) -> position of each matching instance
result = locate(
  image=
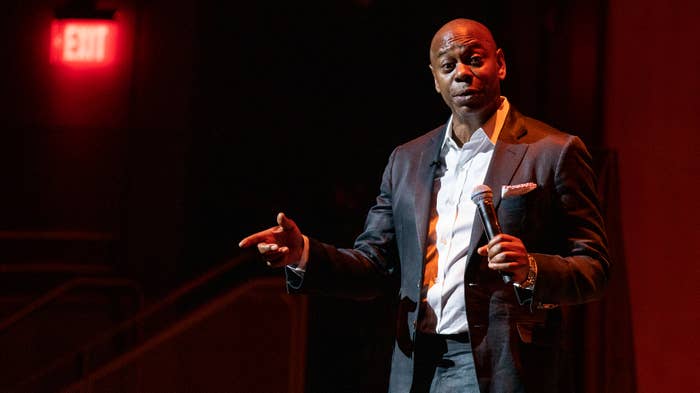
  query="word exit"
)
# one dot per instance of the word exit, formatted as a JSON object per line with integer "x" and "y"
{"x": 83, "y": 42}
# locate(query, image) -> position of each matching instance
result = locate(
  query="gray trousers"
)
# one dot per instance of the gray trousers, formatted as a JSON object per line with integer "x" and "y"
{"x": 444, "y": 364}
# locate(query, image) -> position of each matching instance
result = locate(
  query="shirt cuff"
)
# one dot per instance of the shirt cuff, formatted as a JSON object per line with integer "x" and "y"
{"x": 300, "y": 267}
{"x": 295, "y": 272}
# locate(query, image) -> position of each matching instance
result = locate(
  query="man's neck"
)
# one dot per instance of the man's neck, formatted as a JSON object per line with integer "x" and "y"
{"x": 464, "y": 127}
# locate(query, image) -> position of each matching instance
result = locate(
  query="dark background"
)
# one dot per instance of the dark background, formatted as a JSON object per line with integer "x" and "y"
{"x": 218, "y": 114}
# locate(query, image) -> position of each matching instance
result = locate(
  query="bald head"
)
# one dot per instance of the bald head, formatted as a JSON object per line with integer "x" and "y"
{"x": 467, "y": 68}
{"x": 450, "y": 32}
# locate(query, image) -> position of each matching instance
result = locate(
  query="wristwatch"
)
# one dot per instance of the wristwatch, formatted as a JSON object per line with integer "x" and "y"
{"x": 531, "y": 278}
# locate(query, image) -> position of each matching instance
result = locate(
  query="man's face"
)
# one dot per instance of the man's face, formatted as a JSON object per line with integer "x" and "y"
{"x": 467, "y": 69}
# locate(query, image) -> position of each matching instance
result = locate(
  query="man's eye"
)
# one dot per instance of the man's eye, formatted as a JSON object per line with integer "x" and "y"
{"x": 476, "y": 61}
{"x": 448, "y": 67}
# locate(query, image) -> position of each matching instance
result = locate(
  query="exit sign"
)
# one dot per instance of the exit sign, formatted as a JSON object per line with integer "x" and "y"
{"x": 83, "y": 42}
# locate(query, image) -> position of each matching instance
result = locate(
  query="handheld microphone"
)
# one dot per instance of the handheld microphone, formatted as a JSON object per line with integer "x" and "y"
{"x": 482, "y": 196}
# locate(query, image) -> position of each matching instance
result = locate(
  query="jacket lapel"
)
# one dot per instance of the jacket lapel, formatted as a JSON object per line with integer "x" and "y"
{"x": 424, "y": 177}
{"x": 507, "y": 155}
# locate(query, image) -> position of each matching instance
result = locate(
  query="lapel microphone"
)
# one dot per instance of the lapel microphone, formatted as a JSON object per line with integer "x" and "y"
{"x": 482, "y": 196}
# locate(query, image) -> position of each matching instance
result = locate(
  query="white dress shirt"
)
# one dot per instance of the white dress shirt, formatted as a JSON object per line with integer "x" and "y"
{"x": 451, "y": 220}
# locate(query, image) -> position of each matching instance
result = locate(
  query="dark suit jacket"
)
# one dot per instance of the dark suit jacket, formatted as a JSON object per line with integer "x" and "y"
{"x": 517, "y": 347}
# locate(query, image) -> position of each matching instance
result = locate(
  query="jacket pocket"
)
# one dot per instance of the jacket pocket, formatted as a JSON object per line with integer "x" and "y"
{"x": 512, "y": 213}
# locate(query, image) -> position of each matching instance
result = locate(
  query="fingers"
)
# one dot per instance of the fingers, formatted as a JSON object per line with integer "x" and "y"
{"x": 262, "y": 236}
{"x": 268, "y": 235}
{"x": 506, "y": 260}
{"x": 505, "y": 252}
{"x": 285, "y": 222}
{"x": 499, "y": 243}
{"x": 505, "y": 248}
{"x": 273, "y": 254}
{"x": 496, "y": 241}
{"x": 279, "y": 245}
{"x": 265, "y": 248}
{"x": 248, "y": 241}
{"x": 503, "y": 238}
{"x": 270, "y": 249}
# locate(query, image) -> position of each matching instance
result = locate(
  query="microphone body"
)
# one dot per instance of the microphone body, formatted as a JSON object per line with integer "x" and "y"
{"x": 482, "y": 196}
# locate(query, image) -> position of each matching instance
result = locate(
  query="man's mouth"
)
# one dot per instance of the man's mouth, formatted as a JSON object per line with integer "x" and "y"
{"x": 466, "y": 93}
{"x": 466, "y": 97}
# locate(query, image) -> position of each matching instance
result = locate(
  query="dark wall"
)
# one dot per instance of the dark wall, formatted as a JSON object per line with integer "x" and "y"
{"x": 101, "y": 150}
{"x": 651, "y": 120}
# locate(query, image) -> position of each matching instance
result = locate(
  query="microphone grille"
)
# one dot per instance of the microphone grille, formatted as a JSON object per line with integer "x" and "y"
{"x": 481, "y": 193}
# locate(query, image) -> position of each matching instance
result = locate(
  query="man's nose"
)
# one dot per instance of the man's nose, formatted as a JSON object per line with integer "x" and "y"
{"x": 464, "y": 72}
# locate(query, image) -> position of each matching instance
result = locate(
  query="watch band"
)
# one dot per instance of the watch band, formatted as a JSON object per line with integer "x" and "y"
{"x": 531, "y": 278}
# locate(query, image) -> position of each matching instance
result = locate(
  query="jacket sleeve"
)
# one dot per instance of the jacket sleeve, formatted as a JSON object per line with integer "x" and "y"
{"x": 580, "y": 274}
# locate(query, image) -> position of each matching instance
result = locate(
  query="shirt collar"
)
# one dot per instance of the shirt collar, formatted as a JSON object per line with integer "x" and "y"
{"x": 492, "y": 127}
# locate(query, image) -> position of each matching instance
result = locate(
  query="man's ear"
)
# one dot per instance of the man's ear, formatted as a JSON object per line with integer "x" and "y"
{"x": 501, "y": 61}
{"x": 432, "y": 71}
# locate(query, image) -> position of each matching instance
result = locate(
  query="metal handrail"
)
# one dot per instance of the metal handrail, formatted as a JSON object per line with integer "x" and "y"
{"x": 246, "y": 260}
{"x": 53, "y": 294}
{"x": 296, "y": 355}
{"x": 56, "y": 235}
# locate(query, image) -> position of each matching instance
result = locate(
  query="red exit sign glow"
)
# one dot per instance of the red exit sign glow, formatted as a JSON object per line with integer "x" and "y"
{"x": 83, "y": 42}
